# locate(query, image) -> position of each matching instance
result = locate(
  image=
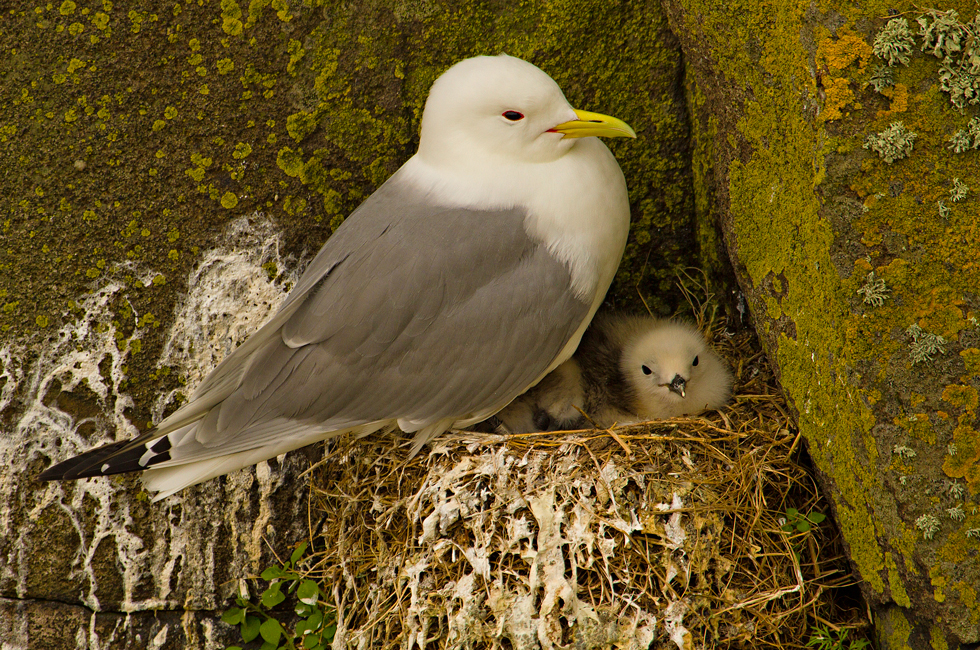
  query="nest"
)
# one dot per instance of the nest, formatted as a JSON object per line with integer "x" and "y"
{"x": 668, "y": 534}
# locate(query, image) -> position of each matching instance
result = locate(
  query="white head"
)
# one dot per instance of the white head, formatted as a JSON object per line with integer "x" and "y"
{"x": 674, "y": 372}
{"x": 505, "y": 109}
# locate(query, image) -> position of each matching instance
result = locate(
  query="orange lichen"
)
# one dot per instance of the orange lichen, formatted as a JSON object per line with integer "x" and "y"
{"x": 848, "y": 47}
{"x": 966, "y": 444}
{"x": 962, "y": 396}
{"x": 833, "y": 56}
{"x": 899, "y": 94}
{"x": 838, "y": 95}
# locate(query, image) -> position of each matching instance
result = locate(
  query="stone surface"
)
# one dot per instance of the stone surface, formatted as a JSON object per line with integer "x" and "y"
{"x": 52, "y": 625}
{"x": 782, "y": 106}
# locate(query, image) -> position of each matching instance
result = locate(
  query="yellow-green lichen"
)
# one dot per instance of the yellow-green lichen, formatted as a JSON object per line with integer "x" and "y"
{"x": 787, "y": 229}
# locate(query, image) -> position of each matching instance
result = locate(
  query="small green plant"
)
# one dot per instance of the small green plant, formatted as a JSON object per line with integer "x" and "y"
{"x": 894, "y": 143}
{"x": 823, "y": 638}
{"x": 796, "y": 520}
{"x": 317, "y": 624}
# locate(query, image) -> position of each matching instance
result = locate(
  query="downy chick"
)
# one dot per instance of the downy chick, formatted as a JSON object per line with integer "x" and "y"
{"x": 627, "y": 369}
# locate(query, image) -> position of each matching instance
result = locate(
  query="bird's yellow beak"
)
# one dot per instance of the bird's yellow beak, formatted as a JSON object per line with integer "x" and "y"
{"x": 594, "y": 124}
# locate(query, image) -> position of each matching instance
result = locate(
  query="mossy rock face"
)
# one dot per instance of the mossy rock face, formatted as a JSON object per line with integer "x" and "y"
{"x": 854, "y": 259}
{"x": 136, "y": 142}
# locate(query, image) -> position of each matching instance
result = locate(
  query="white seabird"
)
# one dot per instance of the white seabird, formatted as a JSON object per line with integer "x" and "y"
{"x": 462, "y": 281}
{"x": 627, "y": 369}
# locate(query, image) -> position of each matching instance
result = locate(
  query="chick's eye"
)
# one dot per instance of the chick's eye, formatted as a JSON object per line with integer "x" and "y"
{"x": 695, "y": 362}
{"x": 513, "y": 116}
{"x": 646, "y": 370}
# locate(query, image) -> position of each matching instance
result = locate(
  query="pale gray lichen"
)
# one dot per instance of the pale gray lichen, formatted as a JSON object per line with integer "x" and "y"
{"x": 944, "y": 35}
{"x": 904, "y": 452}
{"x": 894, "y": 143}
{"x": 973, "y": 533}
{"x": 894, "y": 42}
{"x": 946, "y": 38}
{"x": 956, "y": 490}
{"x": 961, "y": 141}
{"x": 951, "y": 449}
{"x": 924, "y": 344}
{"x": 943, "y": 209}
{"x": 882, "y": 78}
{"x": 962, "y": 86}
{"x": 956, "y": 513}
{"x": 959, "y": 190}
{"x": 874, "y": 290}
{"x": 929, "y": 526}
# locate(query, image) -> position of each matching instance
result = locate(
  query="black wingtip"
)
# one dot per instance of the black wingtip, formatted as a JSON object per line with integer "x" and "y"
{"x": 113, "y": 458}
{"x": 85, "y": 465}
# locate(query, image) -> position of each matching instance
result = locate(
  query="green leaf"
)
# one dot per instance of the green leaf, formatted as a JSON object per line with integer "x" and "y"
{"x": 298, "y": 553}
{"x": 272, "y": 596}
{"x": 315, "y": 620}
{"x": 311, "y": 641}
{"x": 817, "y": 517}
{"x": 271, "y": 631}
{"x": 234, "y": 647}
{"x": 792, "y": 513}
{"x": 803, "y": 526}
{"x": 233, "y": 616}
{"x": 269, "y": 646}
{"x": 303, "y": 610}
{"x": 301, "y": 628}
{"x": 329, "y": 632}
{"x": 308, "y": 592}
{"x": 250, "y": 628}
{"x": 272, "y": 573}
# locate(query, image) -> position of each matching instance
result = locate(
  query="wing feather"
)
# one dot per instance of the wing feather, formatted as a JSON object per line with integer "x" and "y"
{"x": 412, "y": 311}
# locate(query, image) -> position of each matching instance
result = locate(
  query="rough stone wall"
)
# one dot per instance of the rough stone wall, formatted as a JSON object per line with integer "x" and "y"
{"x": 783, "y": 103}
{"x": 165, "y": 167}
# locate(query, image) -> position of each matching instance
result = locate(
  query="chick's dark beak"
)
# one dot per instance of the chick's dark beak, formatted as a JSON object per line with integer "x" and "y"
{"x": 678, "y": 385}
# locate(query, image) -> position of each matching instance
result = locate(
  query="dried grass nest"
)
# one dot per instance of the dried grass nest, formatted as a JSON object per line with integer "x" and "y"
{"x": 667, "y": 534}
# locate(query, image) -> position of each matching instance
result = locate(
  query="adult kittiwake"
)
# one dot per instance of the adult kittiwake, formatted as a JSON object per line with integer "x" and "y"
{"x": 627, "y": 369}
{"x": 464, "y": 279}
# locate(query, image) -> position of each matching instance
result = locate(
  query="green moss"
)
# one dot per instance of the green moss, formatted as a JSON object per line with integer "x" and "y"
{"x": 793, "y": 216}
{"x": 894, "y": 629}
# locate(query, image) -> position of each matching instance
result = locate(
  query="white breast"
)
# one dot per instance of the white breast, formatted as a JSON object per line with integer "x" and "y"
{"x": 577, "y": 205}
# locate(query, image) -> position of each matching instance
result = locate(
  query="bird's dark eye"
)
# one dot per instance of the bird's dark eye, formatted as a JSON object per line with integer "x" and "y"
{"x": 513, "y": 116}
{"x": 695, "y": 362}
{"x": 646, "y": 371}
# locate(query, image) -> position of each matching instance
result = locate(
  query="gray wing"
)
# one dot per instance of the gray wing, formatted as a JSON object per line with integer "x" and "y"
{"x": 410, "y": 311}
